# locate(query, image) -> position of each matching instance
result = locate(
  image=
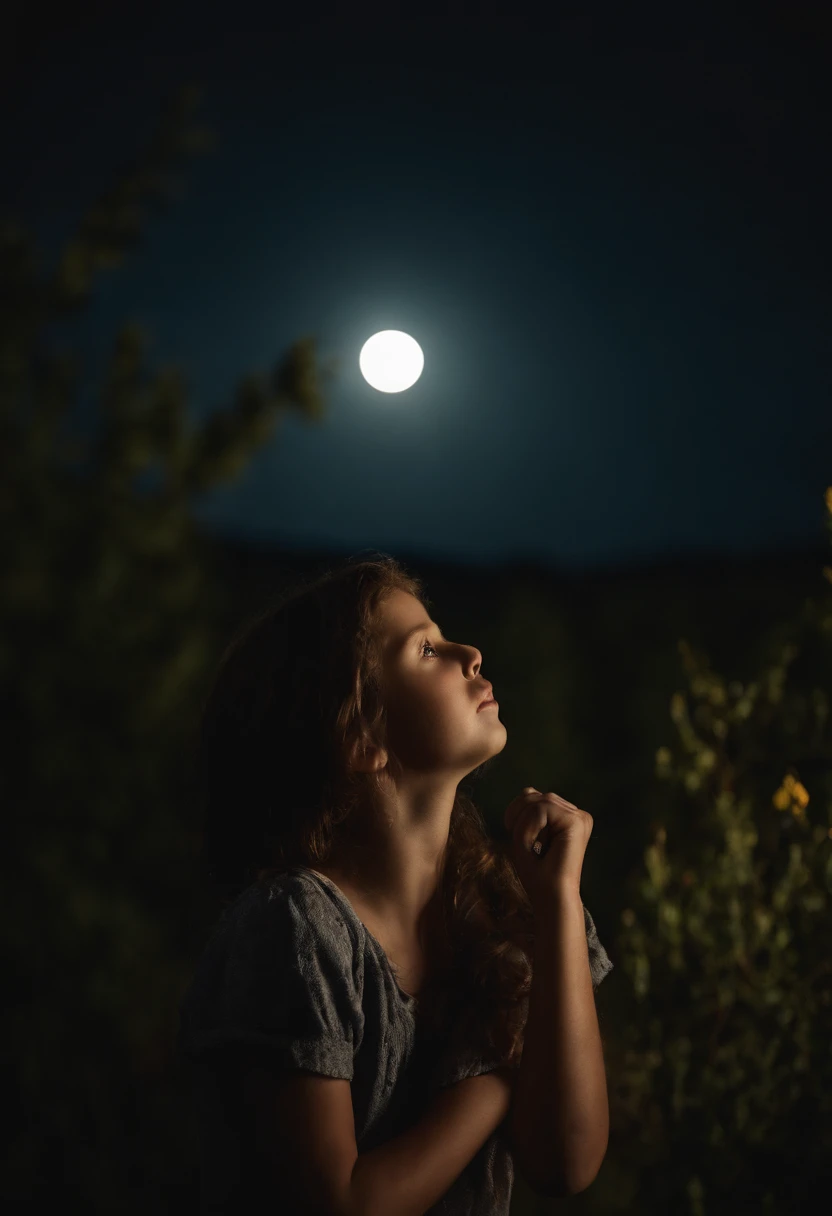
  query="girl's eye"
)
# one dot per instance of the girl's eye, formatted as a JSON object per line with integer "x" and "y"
{"x": 428, "y": 644}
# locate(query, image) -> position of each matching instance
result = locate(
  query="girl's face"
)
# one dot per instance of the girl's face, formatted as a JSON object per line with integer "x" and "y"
{"x": 433, "y": 691}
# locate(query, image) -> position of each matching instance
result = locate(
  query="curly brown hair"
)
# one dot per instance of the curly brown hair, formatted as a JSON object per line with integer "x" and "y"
{"x": 299, "y": 684}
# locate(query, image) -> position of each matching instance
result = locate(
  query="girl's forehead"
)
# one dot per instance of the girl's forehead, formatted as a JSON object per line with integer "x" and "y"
{"x": 399, "y": 609}
{"x": 400, "y": 615}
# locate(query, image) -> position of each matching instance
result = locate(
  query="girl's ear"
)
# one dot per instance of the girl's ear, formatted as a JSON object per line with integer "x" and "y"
{"x": 366, "y": 757}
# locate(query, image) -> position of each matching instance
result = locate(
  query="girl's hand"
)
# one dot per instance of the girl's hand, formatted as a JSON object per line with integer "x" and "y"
{"x": 564, "y": 833}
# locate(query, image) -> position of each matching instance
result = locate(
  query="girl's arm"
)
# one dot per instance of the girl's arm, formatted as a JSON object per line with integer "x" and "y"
{"x": 410, "y": 1173}
{"x": 559, "y": 1122}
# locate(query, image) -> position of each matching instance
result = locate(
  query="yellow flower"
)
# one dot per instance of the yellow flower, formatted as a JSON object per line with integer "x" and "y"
{"x": 800, "y": 795}
{"x": 791, "y": 796}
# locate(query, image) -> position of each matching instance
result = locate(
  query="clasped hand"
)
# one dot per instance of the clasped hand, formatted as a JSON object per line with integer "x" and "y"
{"x": 564, "y": 831}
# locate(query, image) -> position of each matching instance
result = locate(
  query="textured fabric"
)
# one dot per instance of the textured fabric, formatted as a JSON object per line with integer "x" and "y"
{"x": 291, "y": 973}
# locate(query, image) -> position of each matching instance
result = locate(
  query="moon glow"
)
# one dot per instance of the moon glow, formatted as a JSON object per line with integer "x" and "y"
{"x": 391, "y": 361}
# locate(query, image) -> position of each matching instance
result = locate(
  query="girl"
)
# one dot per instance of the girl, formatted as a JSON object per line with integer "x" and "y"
{"x": 356, "y": 1022}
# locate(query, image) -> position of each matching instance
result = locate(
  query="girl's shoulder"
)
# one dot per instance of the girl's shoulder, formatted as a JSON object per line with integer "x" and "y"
{"x": 289, "y": 903}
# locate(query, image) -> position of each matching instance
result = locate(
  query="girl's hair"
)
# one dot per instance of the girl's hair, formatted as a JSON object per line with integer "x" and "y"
{"x": 297, "y": 686}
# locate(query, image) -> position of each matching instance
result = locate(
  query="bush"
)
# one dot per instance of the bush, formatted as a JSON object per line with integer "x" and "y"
{"x": 720, "y": 1071}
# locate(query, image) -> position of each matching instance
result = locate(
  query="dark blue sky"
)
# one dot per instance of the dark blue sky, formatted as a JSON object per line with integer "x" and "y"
{"x": 610, "y": 242}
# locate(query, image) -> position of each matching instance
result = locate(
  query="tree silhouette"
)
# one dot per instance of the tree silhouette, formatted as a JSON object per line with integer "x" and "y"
{"x": 110, "y": 622}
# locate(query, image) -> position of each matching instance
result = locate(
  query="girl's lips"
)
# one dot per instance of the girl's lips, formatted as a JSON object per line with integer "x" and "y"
{"x": 487, "y": 704}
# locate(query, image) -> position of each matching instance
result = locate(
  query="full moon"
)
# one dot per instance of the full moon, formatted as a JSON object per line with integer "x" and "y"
{"x": 391, "y": 361}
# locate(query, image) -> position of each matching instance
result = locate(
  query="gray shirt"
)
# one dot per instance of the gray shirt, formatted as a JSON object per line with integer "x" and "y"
{"x": 291, "y": 973}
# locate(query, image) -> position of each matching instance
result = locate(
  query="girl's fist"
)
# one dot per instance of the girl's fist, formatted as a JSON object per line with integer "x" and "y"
{"x": 561, "y": 832}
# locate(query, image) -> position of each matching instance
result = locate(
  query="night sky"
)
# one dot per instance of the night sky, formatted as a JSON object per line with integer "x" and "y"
{"x": 609, "y": 236}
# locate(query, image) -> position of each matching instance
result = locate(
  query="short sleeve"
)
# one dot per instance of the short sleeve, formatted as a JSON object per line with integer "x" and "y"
{"x": 278, "y": 974}
{"x": 599, "y": 961}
